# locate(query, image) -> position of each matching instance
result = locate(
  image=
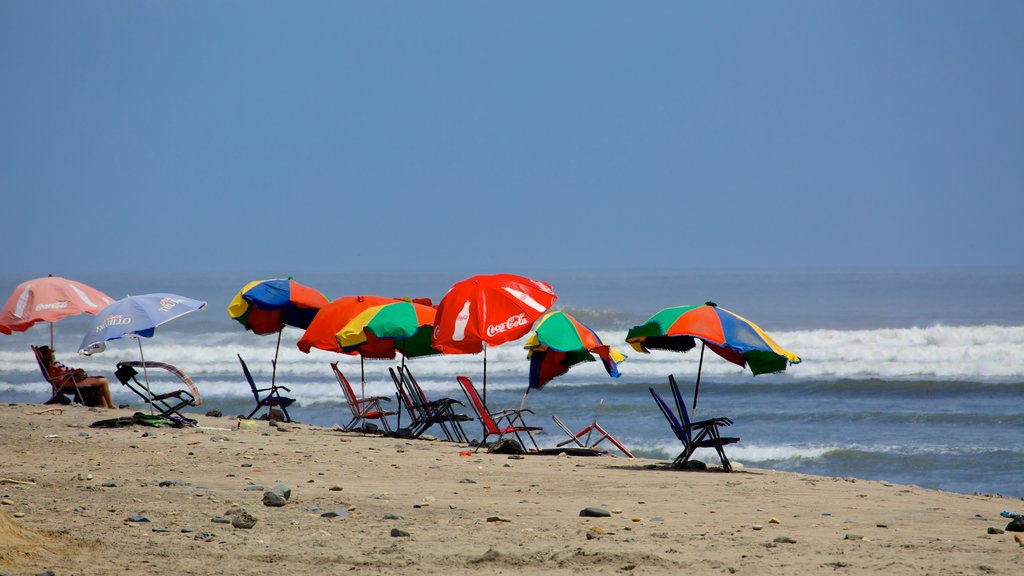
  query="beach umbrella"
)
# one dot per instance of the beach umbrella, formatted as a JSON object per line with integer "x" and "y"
{"x": 135, "y": 317}
{"x": 402, "y": 326}
{"x": 729, "y": 335}
{"x": 49, "y": 299}
{"x": 560, "y": 342}
{"x": 267, "y": 306}
{"x": 489, "y": 310}
{"x": 323, "y": 330}
{"x": 370, "y": 328}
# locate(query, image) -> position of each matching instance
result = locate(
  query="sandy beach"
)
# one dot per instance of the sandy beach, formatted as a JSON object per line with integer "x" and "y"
{"x": 91, "y": 501}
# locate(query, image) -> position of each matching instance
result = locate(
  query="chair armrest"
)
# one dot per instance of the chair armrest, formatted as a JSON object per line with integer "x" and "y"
{"x": 285, "y": 388}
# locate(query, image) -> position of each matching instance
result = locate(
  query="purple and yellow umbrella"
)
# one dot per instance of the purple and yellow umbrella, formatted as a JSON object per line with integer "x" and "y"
{"x": 560, "y": 342}
{"x": 267, "y": 306}
{"x": 729, "y": 335}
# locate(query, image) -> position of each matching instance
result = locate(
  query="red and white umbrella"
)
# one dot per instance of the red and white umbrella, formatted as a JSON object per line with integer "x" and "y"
{"x": 48, "y": 300}
{"x": 489, "y": 310}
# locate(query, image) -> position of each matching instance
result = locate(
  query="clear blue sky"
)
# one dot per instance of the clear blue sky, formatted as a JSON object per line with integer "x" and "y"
{"x": 510, "y": 136}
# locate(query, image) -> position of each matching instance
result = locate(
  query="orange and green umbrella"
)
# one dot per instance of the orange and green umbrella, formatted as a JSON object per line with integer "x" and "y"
{"x": 560, "y": 342}
{"x": 400, "y": 326}
{"x": 729, "y": 335}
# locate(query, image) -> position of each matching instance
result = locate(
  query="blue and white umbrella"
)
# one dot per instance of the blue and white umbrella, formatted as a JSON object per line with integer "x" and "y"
{"x": 134, "y": 317}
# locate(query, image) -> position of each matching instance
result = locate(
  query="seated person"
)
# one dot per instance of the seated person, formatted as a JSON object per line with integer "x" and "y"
{"x": 56, "y": 370}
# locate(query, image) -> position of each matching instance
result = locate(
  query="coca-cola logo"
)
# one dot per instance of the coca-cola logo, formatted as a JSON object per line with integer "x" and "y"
{"x": 52, "y": 306}
{"x": 512, "y": 322}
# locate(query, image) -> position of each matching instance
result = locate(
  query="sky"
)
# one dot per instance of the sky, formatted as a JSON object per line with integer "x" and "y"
{"x": 527, "y": 136}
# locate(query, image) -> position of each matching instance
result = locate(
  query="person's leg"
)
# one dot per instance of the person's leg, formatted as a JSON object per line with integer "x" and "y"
{"x": 101, "y": 384}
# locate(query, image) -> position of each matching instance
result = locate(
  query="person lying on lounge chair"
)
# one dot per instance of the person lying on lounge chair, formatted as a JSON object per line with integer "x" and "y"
{"x": 56, "y": 370}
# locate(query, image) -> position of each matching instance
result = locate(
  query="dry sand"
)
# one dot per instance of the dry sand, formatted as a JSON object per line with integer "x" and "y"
{"x": 69, "y": 491}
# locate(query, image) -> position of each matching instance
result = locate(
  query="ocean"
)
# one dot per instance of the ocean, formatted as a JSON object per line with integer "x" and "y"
{"x": 908, "y": 376}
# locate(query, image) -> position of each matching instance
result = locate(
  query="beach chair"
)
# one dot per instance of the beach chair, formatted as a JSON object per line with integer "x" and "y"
{"x": 424, "y": 413}
{"x": 60, "y": 387}
{"x": 365, "y": 409}
{"x": 588, "y": 432}
{"x": 273, "y": 399}
{"x": 498, "y": 423}
{"x": 694, "y": 435}
{"x": 168, "y": 403}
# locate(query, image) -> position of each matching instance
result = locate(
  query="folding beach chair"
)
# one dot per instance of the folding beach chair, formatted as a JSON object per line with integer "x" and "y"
{"x": 694, "y": 435}
{"x": 424, "y": 413}
{"x": 59, "y": 387}
{"x": 498, "y": 423}
{"x": 365, "y": 409}
{"x": 588, "y": 433}
{"x": 168, "y": 403}
{"x": 273, "y": 399}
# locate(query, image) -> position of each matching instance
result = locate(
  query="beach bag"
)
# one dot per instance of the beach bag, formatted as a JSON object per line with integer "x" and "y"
{"x": 506, "y": 446}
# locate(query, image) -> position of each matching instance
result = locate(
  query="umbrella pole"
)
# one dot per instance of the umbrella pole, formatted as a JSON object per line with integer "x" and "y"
{"x": 145, "y": 375}
{"x": 696, "y": 388}
{"x": 485, "y": 374}
{"x": 51, "y": 335}
{"x": 362, "y": 380}
{"x": 522, "y": 405}
{"x": 273, "y": 371}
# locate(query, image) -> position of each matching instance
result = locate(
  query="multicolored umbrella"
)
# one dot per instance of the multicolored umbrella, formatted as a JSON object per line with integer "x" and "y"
{"x": 323, "y": 330}
{"x": 559, "y": 342}
{"x": 489, "y": 309}
{"x": 729, "y": 335}
{"x": 48, "y": 300}
{"x": 267, "y": 306}
{"x": 403, "y": 325}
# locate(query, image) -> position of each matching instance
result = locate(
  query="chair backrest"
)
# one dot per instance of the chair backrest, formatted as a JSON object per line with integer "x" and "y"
{"x": 413, "y": 385}
{"x": 478, "y": 405}
{"x": 346, "y": 388}
{"x": 56, "y": 385}
{"x": 683, "y": 434}
{"x": 126, "y": 370}
{"x": 680, "y": 405}
{"x": 248, "y": 377}
{"x": 403, "y": 394}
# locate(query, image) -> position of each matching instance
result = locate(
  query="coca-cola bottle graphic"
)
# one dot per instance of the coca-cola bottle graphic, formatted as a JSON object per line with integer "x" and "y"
{"x": 459, "y": 334}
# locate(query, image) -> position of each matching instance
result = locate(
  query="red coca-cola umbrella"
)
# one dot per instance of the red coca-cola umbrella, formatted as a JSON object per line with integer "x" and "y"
{"x": 48, "y": 300}
{"x": 488, "y": 310}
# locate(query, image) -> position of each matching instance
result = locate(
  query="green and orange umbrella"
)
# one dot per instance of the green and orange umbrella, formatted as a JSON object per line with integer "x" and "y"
{"x": 404, "y": 326}
{"x": 560, "y": 342}
{"x": 729, "y": 335}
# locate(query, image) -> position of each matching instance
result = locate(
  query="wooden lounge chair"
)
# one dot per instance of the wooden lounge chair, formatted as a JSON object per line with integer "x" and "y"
{"x": 61, "y": 387}
{"x": 587, "y": 434}
{"x": 273, "y": 399}
{"x": 424, "y": 413}
{"x": 168, "y": 403}
{"x": 694, "y": 435}
{"x": 365, "y": 409}
{"x": 498, "y": 423}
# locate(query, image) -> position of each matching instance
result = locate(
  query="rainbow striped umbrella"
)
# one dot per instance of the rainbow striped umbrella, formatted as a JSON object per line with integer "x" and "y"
{"x": 560, "y": 342}
{"x": 729, "y": 335}
{"x": 407, "y": 324}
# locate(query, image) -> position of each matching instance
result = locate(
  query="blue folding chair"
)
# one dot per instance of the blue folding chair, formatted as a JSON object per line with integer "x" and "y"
{"x": 272, "y": 400}
{"x": 693, "y": 435}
